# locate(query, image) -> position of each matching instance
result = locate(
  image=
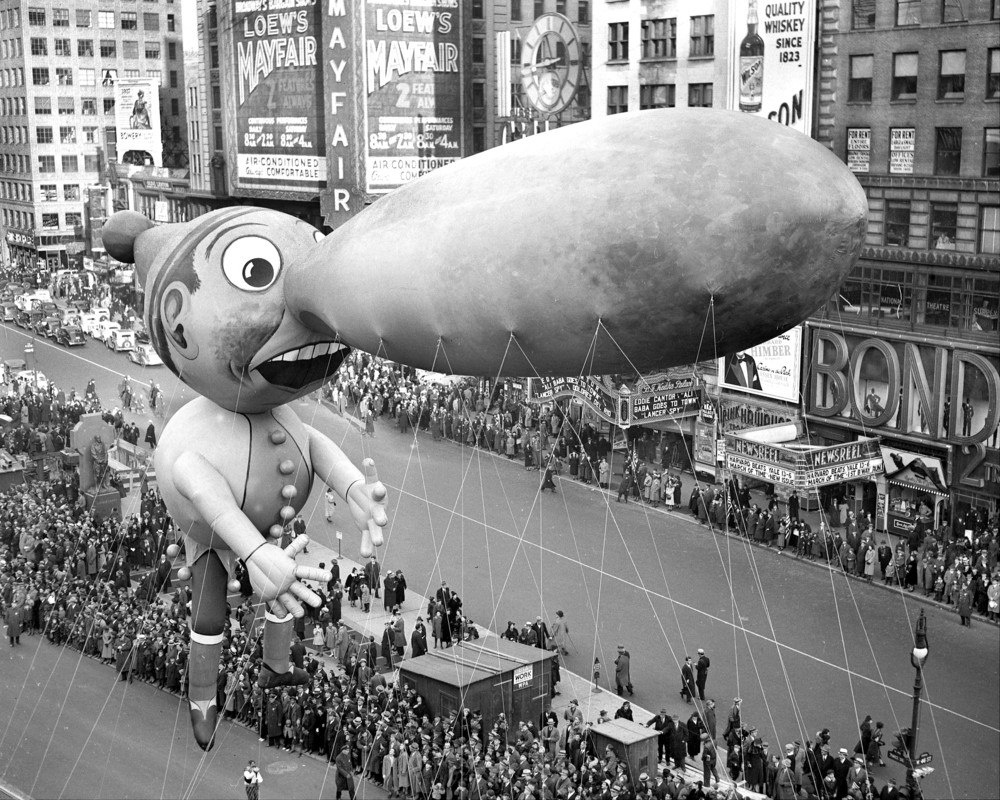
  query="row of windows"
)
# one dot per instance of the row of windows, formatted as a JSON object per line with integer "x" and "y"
{"x": 22, "y": 220}
{"x": 108, "y": 48}
{"x": 898, "y": 226}
{"x": 517, "y": 11}
{"x": 49, "y": 192}
{"x": 84, "y": 18}
{"x": 63, "y": 76}
{"x": 15, "y": 190}
{"x": 67, "y": 105}
{"x": 50, "y": 220}
{"x": 68, "y": 163}
{"x": 906, "y": 296}
{"x": 902, "y": 148}
{"x": 659, "y": 95}
{"x": 67, "y": 134}
{"x": 11, "y": 48}
{"x": 908, "y": 13}
{"x": 950, "y": 76}
{"x": 11, "y": 17}
{"x": 13, "y": 106}
{"x": 659, "y": 38}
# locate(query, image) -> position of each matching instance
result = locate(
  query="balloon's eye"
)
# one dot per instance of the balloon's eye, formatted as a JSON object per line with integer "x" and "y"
{"x": 251, "y": 263}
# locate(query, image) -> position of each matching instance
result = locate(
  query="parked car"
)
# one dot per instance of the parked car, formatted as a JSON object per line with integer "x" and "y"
{"x": 70, "y": 336}
{"x": 8, "y": 312}
{"x": 47, "y": 326}
{"x": 104, "y": 328}
{"x": 25, "y": 301}
{"x": 120, "y": 340}
{"x": 33, "y": 377}
{"x": 91, "y": 319}
{"x": 28, "y": 319}
{"x": 144, "y": 355}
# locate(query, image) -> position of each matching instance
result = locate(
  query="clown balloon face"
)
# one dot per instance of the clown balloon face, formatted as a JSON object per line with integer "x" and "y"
{"x": 216, "y": 311}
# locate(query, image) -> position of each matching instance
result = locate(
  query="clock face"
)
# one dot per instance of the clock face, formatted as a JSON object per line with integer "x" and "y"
{"x": 551, "y": 66}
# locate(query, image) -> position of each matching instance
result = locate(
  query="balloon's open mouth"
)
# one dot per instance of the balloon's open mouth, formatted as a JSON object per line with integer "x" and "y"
{"x": 295, "y": 369}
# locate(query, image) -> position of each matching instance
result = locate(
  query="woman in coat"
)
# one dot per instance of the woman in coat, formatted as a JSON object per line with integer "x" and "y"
{"x": 107, "y": 645}
{"x": 400, "y": 588}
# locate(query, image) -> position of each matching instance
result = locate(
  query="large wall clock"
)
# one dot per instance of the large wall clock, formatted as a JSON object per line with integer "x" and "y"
{"x": 551, "y": 65}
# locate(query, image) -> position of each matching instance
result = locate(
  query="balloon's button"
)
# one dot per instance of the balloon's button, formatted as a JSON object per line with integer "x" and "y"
{"x": 278, "y": 437}
{"x": 286, "y": 513}
{"x": 288, "y": 492}
{"x": 286, "y": 467}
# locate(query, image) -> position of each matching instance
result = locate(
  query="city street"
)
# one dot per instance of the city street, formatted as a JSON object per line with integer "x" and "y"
{"x": 805, "y": 649}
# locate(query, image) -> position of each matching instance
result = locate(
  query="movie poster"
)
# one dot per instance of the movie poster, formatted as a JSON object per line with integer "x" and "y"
{"x": 770, "y": 369}
{"x": 137, "y": 117}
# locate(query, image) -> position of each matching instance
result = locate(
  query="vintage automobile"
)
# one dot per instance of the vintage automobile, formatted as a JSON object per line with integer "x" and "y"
{"x": 47, "y": 326}
{"x": 120, "y": 340}
{"x": 89, "y": 320}
{"x": 144, "y": 355}
{"x": 27, "y": 319}
{"x": 8, "y": 312}
{"x": 70, "y": 336}
{"x": 27, "y": 300}
{"x": 33, "y": 377}
{"x": 103, "y": 329}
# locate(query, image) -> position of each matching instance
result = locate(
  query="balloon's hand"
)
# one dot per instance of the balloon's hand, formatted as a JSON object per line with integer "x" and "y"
{"x": 277, "y": 579}
{"x": 367, "y": 503}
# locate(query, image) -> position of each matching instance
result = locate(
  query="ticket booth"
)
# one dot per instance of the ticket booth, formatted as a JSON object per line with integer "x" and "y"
{"x": 633, "y": 743}
{"x": 491, "y": 676}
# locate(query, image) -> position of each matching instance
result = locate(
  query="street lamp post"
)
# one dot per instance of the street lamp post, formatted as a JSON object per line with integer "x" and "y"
{"x": 918, "y": 657}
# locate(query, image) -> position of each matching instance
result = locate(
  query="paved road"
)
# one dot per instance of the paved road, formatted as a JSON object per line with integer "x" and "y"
{"x": 804, "y": 649}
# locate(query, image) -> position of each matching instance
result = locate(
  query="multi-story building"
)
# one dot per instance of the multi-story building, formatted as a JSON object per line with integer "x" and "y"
{"x": 660, "y": 54}
{"x": 909, "y": 97}
{"x": 60, "y": 61}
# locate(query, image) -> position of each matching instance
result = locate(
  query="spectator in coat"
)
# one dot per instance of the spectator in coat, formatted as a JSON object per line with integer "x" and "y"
{"x": 623, "y": 673}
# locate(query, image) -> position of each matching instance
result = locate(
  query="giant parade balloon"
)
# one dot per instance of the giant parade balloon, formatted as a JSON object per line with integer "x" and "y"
{"x": 621, "y": 244}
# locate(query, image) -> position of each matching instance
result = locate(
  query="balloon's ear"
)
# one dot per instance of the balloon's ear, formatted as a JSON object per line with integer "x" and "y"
{"x": 119, "y": 235}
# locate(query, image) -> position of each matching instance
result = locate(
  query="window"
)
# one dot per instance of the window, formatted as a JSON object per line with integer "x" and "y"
{"x": 170, "y": 23}
{"x": 560, "y": 6}
{"x": 130, "y": 21}
{"x": 216, "y": 96}
{"x": 40, "y": 76}
{"x": 539, "y": 8}
{"x": 700, "y": 95}
{"x": 39, "y": 47}
{"x": 947, "y": 151}
{"x": 477, "y": 9}
{"x": 85, "y": 48}
{"x": 130, "y": 49}
{"x": 109, "y": 77}
{"x": 951, "y": 11}
{"x": 478, "y": 50}
{"x": 907, "y": 12}
{"x": 660, "y": 95}
{"x": 151, "y": 22}
{"x": 50, "y": 221}
{"x": 989, "y": 229}
{"x": 617, "y": 99}
{"x": 618, "y": 41}
{"x": 863, "y": 15}
{"x": 993, "y": 74}
{"x": 36, "y": 16}
{"x": 60, "y": 17}
{"x": 217, "y": 136}
{"x": 46, "y": 164}
{"x": 515, "y": 10}
{"x": 213, "y": 54}
{"x": 951, "y": 81}
{"x": 91, "y": 163}
{"x": 109, "y": 105}
{"x": 90, "y": 134}
{"x": 904, "y": 76}
{"x": 173, "y": 79}
{"x": 153, "y": 50}
{"x": 132, "y": 73}
{"x": 153, "y": 73}
{"x": 74, "y": 219}
{"x": 63, "y": 47}
{"x": 944, "y": 222}
{"x": 43, "y": 135}
{"x": 172, "y": 52}
{"x": 583, "y": 12}
{"x": 991, "y": 153}
{"x": 64, "y": 76}
{"x": 43, "y": 105}
{"x": 860, "y": 87}
{"x": 897, "y": 223}
{"x": 702, "y": 36}
{"x": 175, "y": 106}
{"x": 478, "y": 94}
{"x": 106, "y": 19}
{"x": 88, "y": 77}
{"x": 48, "y": 191}
{"x": 70, "y": 163}
{"x": 109, "y": 48}
{"x": 88, "y": 106}
{"x": 67, "y": 134}
{"x": 659, "y": 38}
{"x": 83, "y": 18}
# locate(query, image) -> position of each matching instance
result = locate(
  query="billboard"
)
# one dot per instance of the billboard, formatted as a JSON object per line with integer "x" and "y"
{"x": 770, "y": 369}
{"x": 413, "y": 89}
{"x": 772, "y": 47}
{"x": 277, "y": 92}
{"x": 137, "y": 117}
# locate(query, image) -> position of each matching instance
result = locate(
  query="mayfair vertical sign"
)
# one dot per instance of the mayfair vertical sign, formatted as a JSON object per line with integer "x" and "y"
{"x": 413, "y": 89}
{"x": 276, "y": 91}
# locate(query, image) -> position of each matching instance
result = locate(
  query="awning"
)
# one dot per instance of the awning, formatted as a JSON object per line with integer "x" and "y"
{"x": 915, "y": 471}
{"x": 917, "y": 487}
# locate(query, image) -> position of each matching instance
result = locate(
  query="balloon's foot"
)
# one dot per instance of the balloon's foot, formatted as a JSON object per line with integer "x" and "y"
{"x": 204, "y": 724}
{"x": 269, "y": 679}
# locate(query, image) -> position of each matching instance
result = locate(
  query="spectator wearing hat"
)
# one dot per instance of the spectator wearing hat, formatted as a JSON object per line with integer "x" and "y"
{"x": 664, "y": 727}
{"x": 734, "y": 724}
{"x": 784, "y": 782}
{"x": 623, "y": 671}
{"x": 709, "y": 760}
{"x": 841, "y": 769}
{"x": 687, "y": 680}
{"x": 418, "y": 639}
{"x": 560, "y": 633}
{"x": 702, "y": 670}
{"x": 709, "y": 719}
{"x": 678, "y": 745}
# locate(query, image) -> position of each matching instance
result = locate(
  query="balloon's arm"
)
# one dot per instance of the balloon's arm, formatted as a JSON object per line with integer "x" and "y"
{"x": 330, "y": 464}
{"x": 203, "y": 485}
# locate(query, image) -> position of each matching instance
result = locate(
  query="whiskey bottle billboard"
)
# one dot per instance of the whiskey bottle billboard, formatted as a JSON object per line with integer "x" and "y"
{"x": 751, "y": 64}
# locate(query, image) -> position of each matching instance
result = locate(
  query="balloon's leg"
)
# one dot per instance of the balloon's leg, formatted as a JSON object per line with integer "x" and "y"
{"x": 208, "y": 624}
{"x": 277, "y": 670}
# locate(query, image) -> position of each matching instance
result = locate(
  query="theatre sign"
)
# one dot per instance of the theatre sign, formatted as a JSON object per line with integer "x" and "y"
{"x": 802, "y": 466}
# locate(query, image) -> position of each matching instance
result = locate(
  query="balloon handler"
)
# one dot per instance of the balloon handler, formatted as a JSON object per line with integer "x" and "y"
{"x": 235, "y": 464}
